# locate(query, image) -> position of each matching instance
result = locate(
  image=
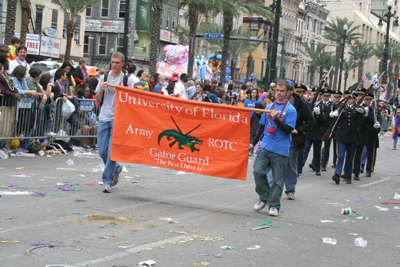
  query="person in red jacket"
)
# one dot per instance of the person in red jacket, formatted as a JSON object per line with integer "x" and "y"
{"x": 80, "y": 72}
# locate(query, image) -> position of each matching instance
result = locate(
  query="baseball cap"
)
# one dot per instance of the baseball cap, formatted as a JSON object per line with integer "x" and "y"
{"x": 291, "y": 83}
{"x": 183, "y": 75}
{"x": 172, "y": 79}
{"x": 272, "y": 84}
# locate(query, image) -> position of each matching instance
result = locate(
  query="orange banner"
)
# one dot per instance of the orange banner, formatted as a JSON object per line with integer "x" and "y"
{"x": 180, "y": 134}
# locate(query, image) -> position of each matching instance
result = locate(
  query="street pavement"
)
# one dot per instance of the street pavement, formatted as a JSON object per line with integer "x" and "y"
{"x": 185, "y": 219}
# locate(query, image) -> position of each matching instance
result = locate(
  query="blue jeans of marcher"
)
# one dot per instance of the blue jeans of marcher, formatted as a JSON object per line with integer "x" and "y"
{"x": 291, "y": 176}
{"x": 346, "y": 150}
{"x": 104, "y": 133}
{"x": 395, "y": 142}
{"x": 265, "y": 162}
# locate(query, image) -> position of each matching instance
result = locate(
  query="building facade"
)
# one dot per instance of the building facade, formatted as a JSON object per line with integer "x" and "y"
{"x": 45, "y": 15}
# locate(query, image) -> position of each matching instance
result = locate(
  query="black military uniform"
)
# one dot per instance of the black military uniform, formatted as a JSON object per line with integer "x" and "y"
{"x": 327, "y": 108}
{"x": 337, "y": 95}
{"x": 373, "y": 140}
{"x": 300, "y": 88}
{"x": 347, "y": 136}
{"x": 367, "y": 119}
{"x": 314, "y": 136}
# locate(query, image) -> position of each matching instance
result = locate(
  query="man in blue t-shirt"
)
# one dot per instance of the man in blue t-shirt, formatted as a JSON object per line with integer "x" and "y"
{"x": 276, "y": 128}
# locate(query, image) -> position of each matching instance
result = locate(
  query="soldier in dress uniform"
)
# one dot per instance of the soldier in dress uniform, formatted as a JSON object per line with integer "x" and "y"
{"x": 300, "y": 89}
{"x": 327, "y": 107}
{"x": 347, "y": 136}
{"x": 314, "y": 136}
{"x": 337, "y": 96}
{"x": 367, "y": 119}
{"x": 373, "y": 135}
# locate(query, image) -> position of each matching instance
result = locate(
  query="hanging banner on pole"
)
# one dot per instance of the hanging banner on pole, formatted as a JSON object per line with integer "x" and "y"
{"x": 186, "y": 135}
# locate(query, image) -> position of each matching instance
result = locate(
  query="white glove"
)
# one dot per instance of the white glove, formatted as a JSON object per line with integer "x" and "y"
{"x": 360, "y": 110}
{"x": 377, "y": 125}
{"x": 334, "y": 114}
{"x": 366, "y": 111}
{"x": 317, "y": 111}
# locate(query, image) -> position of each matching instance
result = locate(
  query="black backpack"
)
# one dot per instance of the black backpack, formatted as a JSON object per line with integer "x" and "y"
{"x": 124, "y": 82}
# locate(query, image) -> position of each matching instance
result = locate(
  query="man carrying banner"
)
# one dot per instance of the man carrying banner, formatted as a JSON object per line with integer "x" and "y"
{"x": 105, "y": 94}
{"x": 275, "y": 130}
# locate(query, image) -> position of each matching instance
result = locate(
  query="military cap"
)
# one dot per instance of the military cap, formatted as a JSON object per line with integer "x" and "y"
{"x": 300, "y": 87}
{"x": 326, "y": 92}
{"x": 361, "y": 91}
{"x": 314, "y": 90}
{"x": 369, "y": 96}
{"x": 348, "y": 93}
{"x": 337, "y": 93}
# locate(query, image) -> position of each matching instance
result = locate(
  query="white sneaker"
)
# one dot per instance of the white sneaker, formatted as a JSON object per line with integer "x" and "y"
{"x": 273, "y": 211}
{"x": 107, "y": 189}
{"x": 290, "y": 196}
{"x": 51, "y": 134}
{"x": 259, "y": 206}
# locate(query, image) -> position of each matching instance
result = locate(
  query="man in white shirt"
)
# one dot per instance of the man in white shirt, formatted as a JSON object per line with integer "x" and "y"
{"x": 19, "y": 60}
{"x": 180, "y": 87}
{"x": 105, "y": 94}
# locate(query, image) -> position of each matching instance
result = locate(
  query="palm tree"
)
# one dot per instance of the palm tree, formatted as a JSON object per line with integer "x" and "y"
{"x": 313, "y": 52}
{"x": 74, "y": 8}
{"x": 194, "y": 7}
{"x": 326, "y": 61}
{"x": 231, "y": 9}
{"x": 360, "y": 54}
{"x": 336, "y": 33}
{"x": 155, "y": 34}
{"x": 10, "y": 21}
{"x": 348, "y": 65}
{"x": 26, "y": 15}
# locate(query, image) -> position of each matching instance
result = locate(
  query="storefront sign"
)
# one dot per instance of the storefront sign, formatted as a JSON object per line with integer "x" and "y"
{"x": 93, "y": 25}
{"x": 165, "y": 36}
{"x": 50, "y": 47}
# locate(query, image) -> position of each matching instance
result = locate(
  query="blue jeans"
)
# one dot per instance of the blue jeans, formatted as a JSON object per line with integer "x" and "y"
{"x": 104, "y": 133}
{"x": 306, "y": 150}
{"x": 291, "y": 176}
{"x": 364, "y": 156}
{"x": 346, "y": 150}
{"x": 395, "y": 142}
{"x": 265, "y": 162}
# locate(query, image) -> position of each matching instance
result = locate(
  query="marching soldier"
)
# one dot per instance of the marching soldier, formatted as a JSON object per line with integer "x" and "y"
{"x": 347, "y": 136}
{"x": 373, "y": 136}
{"x": 337, "y": 96}
{"x": 300, "y": 90}
{"x": 363, "y": 121}
{"x": 314, "y": 136}
{"x": 327, "y": 107}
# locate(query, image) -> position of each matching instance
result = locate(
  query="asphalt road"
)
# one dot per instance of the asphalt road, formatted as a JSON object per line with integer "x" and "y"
{"x": 89, "y": 228}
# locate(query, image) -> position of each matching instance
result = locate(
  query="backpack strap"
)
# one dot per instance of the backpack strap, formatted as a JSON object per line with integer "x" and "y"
{"x": 104, "y": 80}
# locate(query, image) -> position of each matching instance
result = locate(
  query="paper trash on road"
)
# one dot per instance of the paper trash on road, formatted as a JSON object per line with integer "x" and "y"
{"x": 359, "y": 242}
{"x": 255, "y": 247}
{"x": 19, "y": 193}
{"x": 147, "y": 263}
{"x": 381, "y": 208}
{"x": 328, "y": 240}
{"x": 326, "y": 221}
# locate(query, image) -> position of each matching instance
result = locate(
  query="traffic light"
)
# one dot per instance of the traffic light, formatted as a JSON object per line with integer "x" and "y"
{"x": 398, "y": 81}
{"x": 284, "y": 73}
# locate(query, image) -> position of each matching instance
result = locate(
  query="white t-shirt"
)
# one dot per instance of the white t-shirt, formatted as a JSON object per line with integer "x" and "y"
{"x": 16, "y": 62}
{"x": 107, "y": 109}
{"x": 135, "y": 78}
{"x": 180, "y": 89}
{"x": 52, "y": 73}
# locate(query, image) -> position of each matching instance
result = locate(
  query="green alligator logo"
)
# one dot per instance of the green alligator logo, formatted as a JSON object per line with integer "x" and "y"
{"x": 180, "y": 138}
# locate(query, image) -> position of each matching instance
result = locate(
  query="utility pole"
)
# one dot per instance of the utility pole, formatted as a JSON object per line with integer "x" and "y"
{"x": 281, "y": 75}
{"x": 268, "y": 65}
{"x": 126, "y": 30}
{"x": 275, "y": 41}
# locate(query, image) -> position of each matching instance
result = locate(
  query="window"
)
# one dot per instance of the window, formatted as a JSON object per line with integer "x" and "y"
{"x": 66, "y": 20}
{"x": 104, "y": 8}
{"x": 102, "y": 46}
{"x": 314, "y": 25}
{"x": 120, "y": 44}
{"x": 173, "y": 21}
{"x": 122, "y": 7}
{"x": 39, "y": 18}
{"x": 77, "y": 27}
{"x": 54, "y": 18}
{"x": 167, "y": 21}
{"x": 89, "y": 11}
{"x": 161, "y": 19}
{"x": 86, "y": 45}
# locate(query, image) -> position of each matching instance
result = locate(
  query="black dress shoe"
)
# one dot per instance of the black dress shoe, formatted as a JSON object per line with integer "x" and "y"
{"x": 348, "y": 182}
{"x": 336, "y": 178}
{"x": 368, "y": 174}
{"x": 333, "y": 166}
{"x": 342, "y": 175}
{"x": 318, "y": 173}
{"x": 356, "y": 177}
{"x": 311, "y": 166}
{"x": 362, "y": 168}
{"x": 323, "y": 169}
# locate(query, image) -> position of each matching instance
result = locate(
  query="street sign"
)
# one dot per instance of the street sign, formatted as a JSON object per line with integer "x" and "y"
{"x": 382, "y": 88}
{"x": 213, "y": 36}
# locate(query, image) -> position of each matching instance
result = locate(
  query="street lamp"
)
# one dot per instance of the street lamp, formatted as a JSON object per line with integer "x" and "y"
{"x": 111, "y": 52}
{"x": 92, "y": 56}
{"x": 386, "y": 17}
{"x": 345, "y": 28}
